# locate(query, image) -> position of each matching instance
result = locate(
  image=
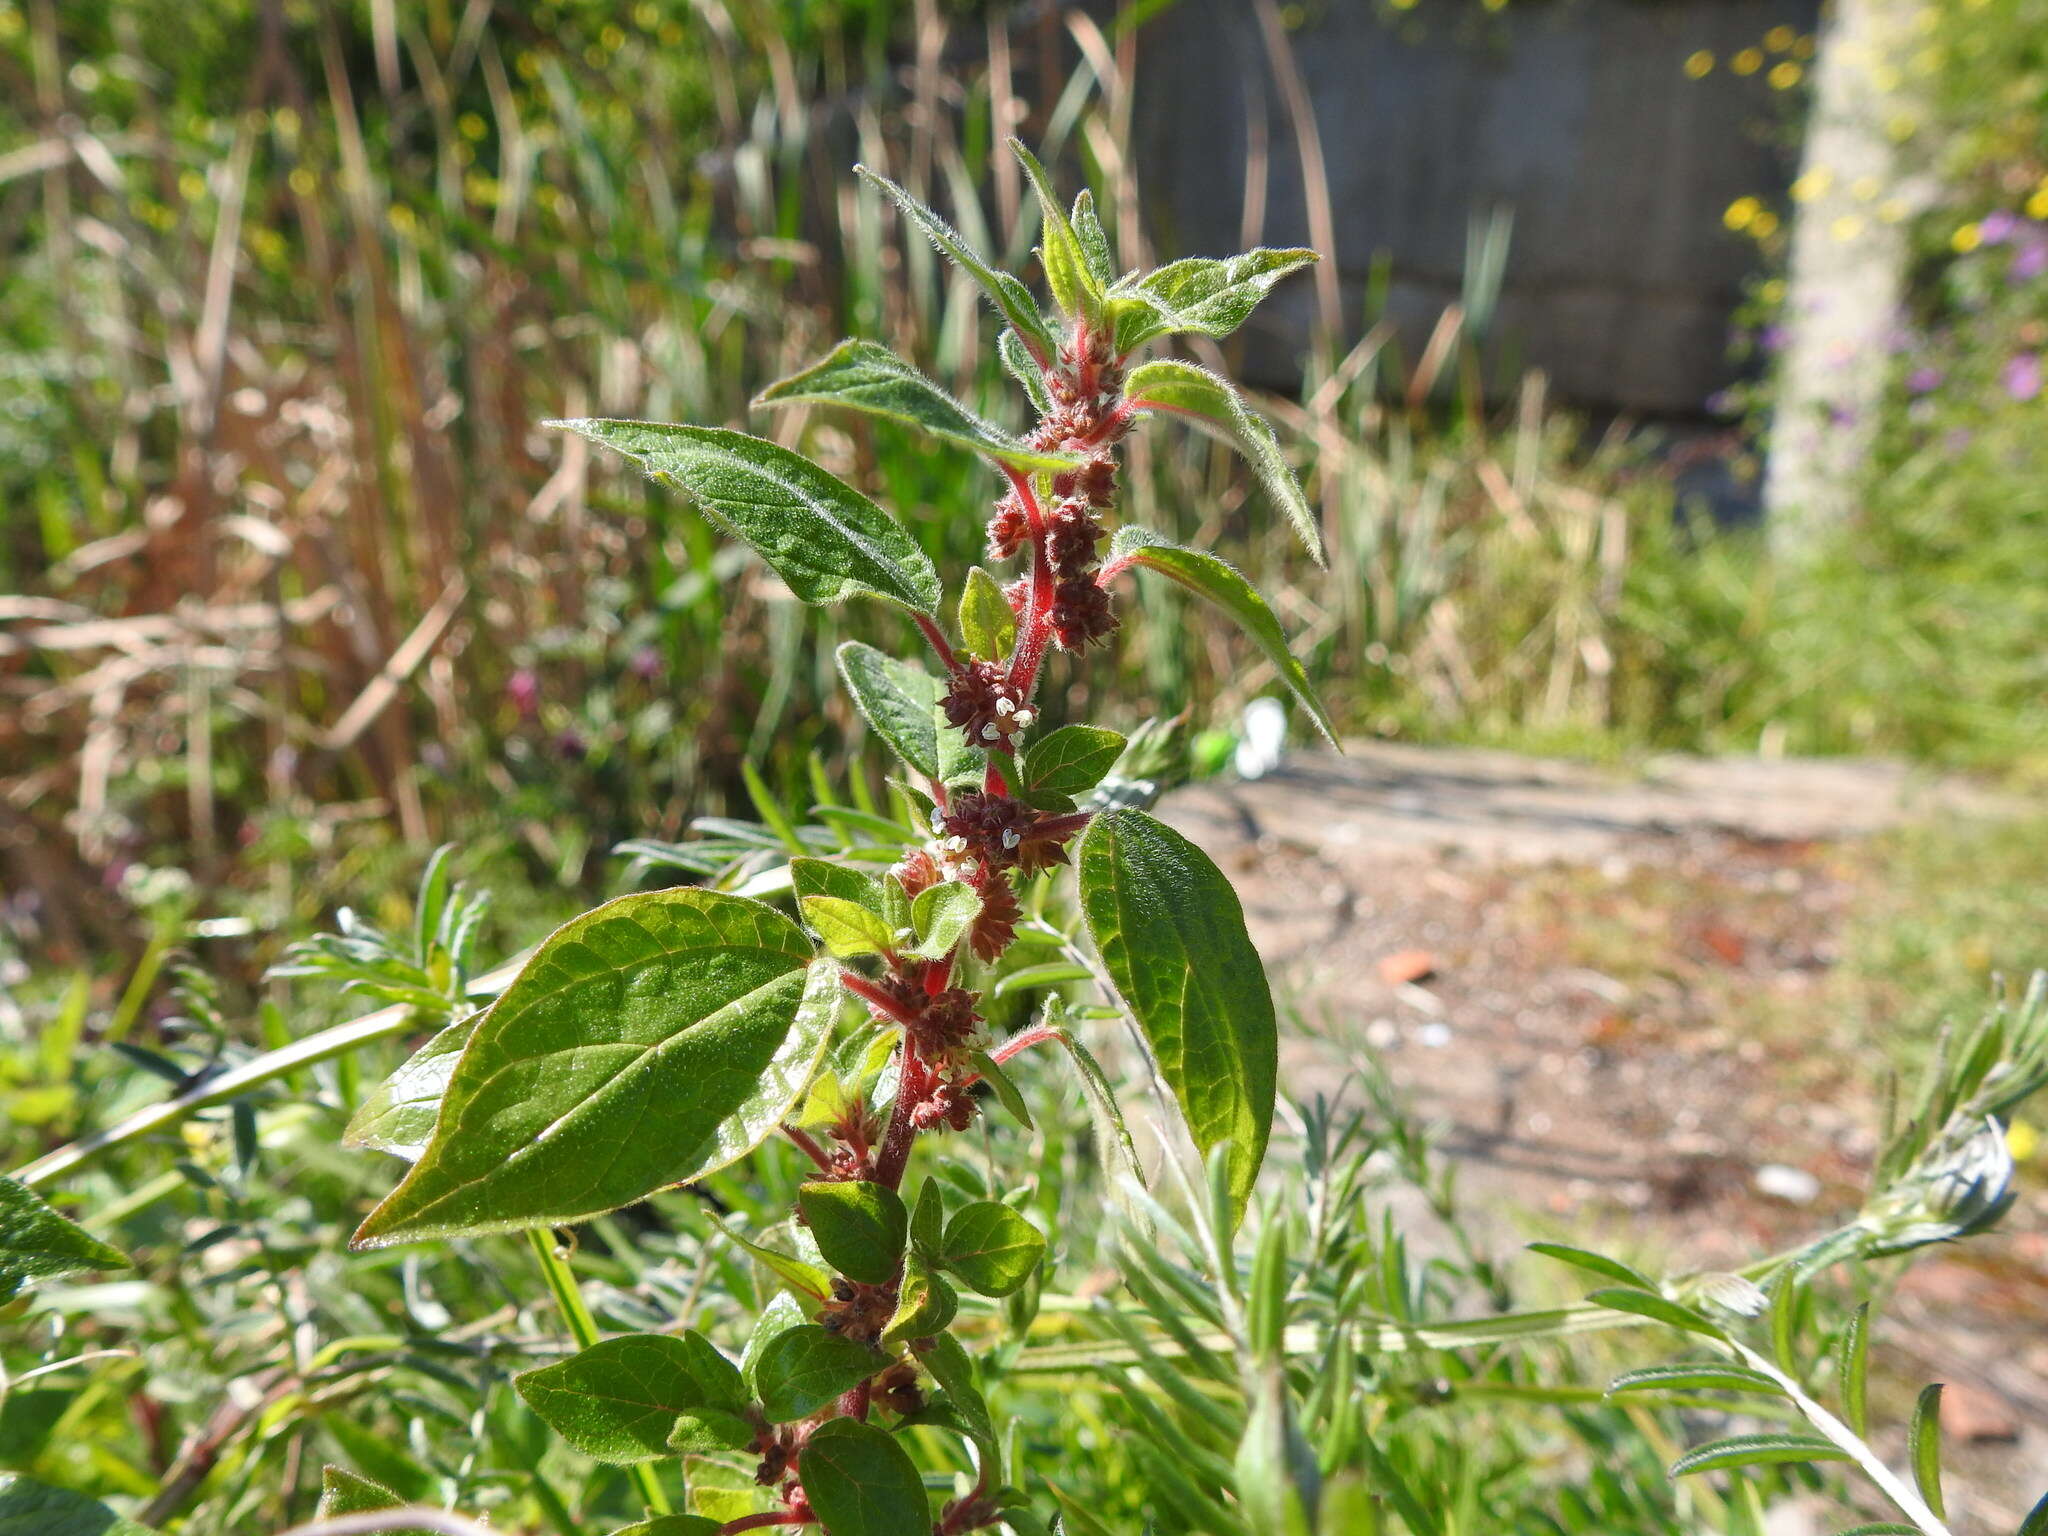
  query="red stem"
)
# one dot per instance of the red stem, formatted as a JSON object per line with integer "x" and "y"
{"x": 902, "y": 1133}
{"x": 941, "y": 647}
{"x": 868, "y": 992}
{"x": 810, "y": 1148}
{"x": 1037, "y": 1034}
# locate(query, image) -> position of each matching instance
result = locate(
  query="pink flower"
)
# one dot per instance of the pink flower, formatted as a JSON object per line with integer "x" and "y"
{"x": 2029, "y": 259}
{"x": 523, "y": 689}
{"x": 2023, "y": 376}
{"x": 1923, "y": 380}
{"x": 1996, "y": 228}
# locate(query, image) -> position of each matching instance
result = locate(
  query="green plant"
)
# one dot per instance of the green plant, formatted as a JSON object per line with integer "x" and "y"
{"x": 667, "y": 1034}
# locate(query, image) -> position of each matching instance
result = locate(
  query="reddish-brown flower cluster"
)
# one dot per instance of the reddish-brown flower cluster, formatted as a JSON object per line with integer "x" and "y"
{"x": 1085, "y": 418}
{"x": 949, "y": 1104}
{"x": 981, "y": 701}
{"x": 896, "y": 1389}
{"x": 860, "y": 1312}
{"x": 985, "y": 832}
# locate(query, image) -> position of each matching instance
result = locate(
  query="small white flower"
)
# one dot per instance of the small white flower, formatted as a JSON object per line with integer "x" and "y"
{"x": 1026, "y": 716}
{"x": 1010, "y": 837}
{"x": 1005, "y": 707}
{"x": 989, "y": 732}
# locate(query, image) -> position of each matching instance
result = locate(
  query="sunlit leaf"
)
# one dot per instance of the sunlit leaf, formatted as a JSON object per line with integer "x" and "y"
{"x": 865, "y": 376}
{"x": 821, "y": 536}
{"x": 644, "y": 1044}
{"x": 1213, "y": 404}
{"x": 1171, "y": 935}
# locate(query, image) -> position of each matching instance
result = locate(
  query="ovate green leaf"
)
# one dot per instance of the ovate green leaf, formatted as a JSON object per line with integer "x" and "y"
{"x": 864, "y": 376}
{"x": 860, "y": 1227}
{"x": 1220, "y": 583}
{"x": 821, "y": 536}
{"x": 1208, "y": 401}
{"x": 1093, "y": 243}
{"x": 861, "y": 1482}
{"x": 802, "y": 1370}
{"x": 621, "y": 1400}
{"x": 1172, "y": 937}
{"x": 644, "y": 1044}
{"x": 991, "y": 1248}
{"x": 925, "y": 1306}
{"x": 941, "y": 916}
{"x": 1072, "y": 759}
{"x": 29, "y": 1508}
{"x": 1199, "y": 294}
{"x": 36, "y": 1243}
{"x": 988, "y": 624}
{"x": 846, "y": 928}
{"x": 343, "y": 1492}
{"x": 398, "y": 1116}
{"x": 672, "y": 1525}
{"x": 900, "y": 701}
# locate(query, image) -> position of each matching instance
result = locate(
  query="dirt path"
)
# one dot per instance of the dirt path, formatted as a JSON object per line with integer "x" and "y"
{"x": 1610, "y": 991}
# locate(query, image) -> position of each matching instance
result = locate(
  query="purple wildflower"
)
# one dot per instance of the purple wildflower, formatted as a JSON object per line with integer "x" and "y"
{"x": 1996, "y": 228}
{"x": 1924, "y": 380}
{"x": 2029, "y": 258}
{"x": 2023, "y": 376}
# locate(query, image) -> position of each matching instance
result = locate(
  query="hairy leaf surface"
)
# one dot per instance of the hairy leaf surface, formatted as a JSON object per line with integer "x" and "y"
{"x": 861, "y": 1482}
{"x": 36, "y": 1243}
{"x": 1171, "y": 935}
{"x": 1221, "y": 583}
{"x": 860, "y": 1226}
{"x": 622, "y": 1400}
{"x": 821, "y": 536}
{"x": 865, "y": 376}
{"x": 1199, "y": 294}
{"x": 1010, "y": 297}
{"x": 1214, "y": 405}
{"x": 801, "y": 1370}
{"x": 398, "y": 1116}
{"x": 645, "y": 1044}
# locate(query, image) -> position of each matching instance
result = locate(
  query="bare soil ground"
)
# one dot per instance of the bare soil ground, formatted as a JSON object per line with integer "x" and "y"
{"x": 1611, "y": 991}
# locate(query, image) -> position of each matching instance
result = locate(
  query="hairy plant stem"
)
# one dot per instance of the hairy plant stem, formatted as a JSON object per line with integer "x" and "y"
{"x": 561, "y": 1283}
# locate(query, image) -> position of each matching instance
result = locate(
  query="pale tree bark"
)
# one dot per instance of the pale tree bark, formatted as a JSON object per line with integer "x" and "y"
{"x": 1847, "y": 272}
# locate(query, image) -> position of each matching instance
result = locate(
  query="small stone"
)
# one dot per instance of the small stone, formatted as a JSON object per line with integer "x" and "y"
{"x": 1407, "y": 966}
{"x": 1795, "y": 1186}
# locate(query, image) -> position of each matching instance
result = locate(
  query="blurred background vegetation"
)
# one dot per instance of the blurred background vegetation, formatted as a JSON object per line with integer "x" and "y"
{"x": 294, "y": 585}
{"x": 295, "y": 576}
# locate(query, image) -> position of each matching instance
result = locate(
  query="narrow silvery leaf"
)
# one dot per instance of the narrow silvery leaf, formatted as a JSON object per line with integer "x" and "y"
{"x": 1702, "y": 1376}
{"x": 1215, "y": 579}
{"x": 644, "y": 1044}
{"x": 953, "y": 1369}
{"x": 1756, "y": 1451}
{"x": 820, "y": 535}
{"x": 1171, "y": 936}
{"x": 1924, "y": 1438}
{"x": 37, "y": 1244}
{"x": 1661, "y": 1309}
{"x": 1010, "y": 297}
{"x": 861, "y": 1482}
{"x": 860, "y": 1226}
{"x": 1006, "y": 1092}
{"x": 398, "y": 1116}
{"x": 620, "y": 1400}
{"x": 804, "y": 1280}
{"x": 800, "y": 1371}
{"x": 1211, "y": 403}
{"x": 1212, "y": 298}
{"x": 863, "y": 376}
{"x": 1072, "y": 285}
